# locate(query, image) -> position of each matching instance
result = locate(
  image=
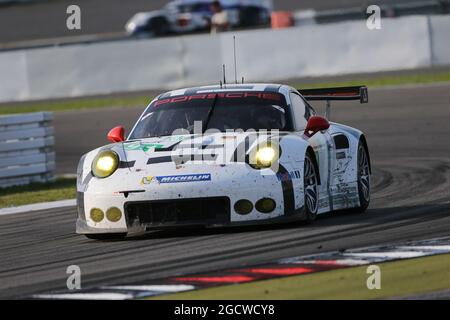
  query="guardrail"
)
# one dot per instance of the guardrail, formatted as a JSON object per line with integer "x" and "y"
{"x": 301, "y": 18}
{"x": 420, "y": 7}
{"x": 308, "y": 51}
{"x": 26, "y": 149}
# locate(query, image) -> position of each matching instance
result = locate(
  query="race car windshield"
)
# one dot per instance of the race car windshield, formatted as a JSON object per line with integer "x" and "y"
{"x": 219, "y": 111}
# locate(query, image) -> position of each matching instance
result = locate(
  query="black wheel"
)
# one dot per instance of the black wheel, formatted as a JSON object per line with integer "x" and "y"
{"x": 250, "y": 17}
{"x": 157, "y": 27}
{"x": 106, "y": 236}
{"x": 363, "y": 178}
{"x": 310, "y": 189}
{"x": 160, "y": 27}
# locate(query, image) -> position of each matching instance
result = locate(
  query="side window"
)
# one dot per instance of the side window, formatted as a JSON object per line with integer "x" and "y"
{"x": 309, "y": 110}
{"x": 299, "y": 111}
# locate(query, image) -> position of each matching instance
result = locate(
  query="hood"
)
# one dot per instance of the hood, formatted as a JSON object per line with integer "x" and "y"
{"x": 216, "y": 148}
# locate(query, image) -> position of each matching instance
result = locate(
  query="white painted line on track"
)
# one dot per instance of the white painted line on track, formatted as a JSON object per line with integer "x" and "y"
{"x": 38, "y": 206}
{"x": 387, "y": 255}
{"x": 86, "y": 296}
{"x": 159, "y": 288}
{"x": 340, "y": 262}
{"x": 433, "y": 249}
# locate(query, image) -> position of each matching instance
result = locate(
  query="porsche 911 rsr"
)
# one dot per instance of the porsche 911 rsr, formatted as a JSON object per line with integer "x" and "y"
{"x": 224, "y": 156}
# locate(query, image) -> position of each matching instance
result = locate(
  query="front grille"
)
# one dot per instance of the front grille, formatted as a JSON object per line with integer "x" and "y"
{"x": 180, "y": 211}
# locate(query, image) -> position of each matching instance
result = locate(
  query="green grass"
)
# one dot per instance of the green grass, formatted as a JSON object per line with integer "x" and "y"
{"x": 383, "y": 81}
{"x": 74, "y": 104}
{"x": 399, "y": 278}
{"x": 62, "y": 188}
{"x": 129, "y": 101}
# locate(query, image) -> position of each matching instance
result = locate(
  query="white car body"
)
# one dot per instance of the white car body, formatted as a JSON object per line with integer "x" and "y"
{"x": 147, "y": 172}
{"x": 185, "y": 22}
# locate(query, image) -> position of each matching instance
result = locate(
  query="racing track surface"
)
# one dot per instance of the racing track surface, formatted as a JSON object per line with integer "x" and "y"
{"x": 47, "y": 19}
{"x": 407, "y": 131}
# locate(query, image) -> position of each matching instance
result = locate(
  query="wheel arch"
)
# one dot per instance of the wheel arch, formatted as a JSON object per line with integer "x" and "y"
{"x": 310, "y": 152}
{"x": 363, "y": 140}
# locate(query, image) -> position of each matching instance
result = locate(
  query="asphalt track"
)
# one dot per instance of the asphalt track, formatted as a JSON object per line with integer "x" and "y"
{"x": 47, "y": 19}
{"x": 407, "y": 130}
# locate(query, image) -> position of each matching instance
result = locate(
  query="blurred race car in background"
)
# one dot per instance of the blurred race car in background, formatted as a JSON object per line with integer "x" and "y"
{"x": 185, "y": 16}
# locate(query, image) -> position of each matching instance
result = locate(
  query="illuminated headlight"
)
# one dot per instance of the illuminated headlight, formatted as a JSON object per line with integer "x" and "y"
{"x": 131, "y": 26}
{"x": 105, "y": 164}
{"x": 265, "y": 155}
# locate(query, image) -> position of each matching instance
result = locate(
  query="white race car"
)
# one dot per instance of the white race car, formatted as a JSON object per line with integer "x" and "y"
{"x": 186, "y": 16}
{"x": 223, "y": 156}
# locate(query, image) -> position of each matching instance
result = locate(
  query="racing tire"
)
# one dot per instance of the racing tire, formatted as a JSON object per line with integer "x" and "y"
{"x": 160, "y": 27}
{"x": 310, "y": 183}
{"x": 106, "y": 236}
{"x": 157, "y": 27}
{"x": 364, "y": 183}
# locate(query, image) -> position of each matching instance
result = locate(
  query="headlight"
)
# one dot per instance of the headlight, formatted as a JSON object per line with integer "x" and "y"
{"x": 130, "y": 27}
{"x": 105, "y": 163}
{"x": 265, "y": 155}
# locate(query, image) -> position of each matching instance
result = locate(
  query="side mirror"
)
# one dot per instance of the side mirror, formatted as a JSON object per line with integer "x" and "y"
{"x": 316, "y": 124}
{"x": 117, "y": 134}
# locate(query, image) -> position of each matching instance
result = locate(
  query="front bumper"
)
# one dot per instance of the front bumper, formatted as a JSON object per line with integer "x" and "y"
{"x": 140, "y": 203}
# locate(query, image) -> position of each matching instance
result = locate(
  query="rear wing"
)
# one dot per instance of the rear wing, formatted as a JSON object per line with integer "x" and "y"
{"x": 341, "y": 93}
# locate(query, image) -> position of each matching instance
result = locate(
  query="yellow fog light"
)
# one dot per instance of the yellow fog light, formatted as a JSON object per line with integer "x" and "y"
{"x": 265, "y": 205}
{"x": 243, "y": 206}
{"x": 105, "y": 163}
{"x": 97, "y": 215}
{"x": 113, "y": 214}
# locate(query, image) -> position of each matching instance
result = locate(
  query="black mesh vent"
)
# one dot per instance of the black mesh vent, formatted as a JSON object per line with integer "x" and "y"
{"x": 176, "y": 212}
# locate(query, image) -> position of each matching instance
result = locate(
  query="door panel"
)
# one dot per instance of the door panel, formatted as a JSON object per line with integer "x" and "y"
{"x": 344, "y": 189}
{"x": 323, "y": 146}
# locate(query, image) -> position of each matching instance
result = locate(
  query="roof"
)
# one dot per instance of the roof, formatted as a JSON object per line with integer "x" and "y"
{"x": 261, "y": 87}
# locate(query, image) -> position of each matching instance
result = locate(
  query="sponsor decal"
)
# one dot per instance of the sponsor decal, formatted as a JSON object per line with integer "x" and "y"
{"x": 172, "y": 138}
{"x": 147, "y": 180}
{"x": 288, "y": 176}
{"x": 164, "y": 142}
{"x": 184, "y": 178}
{"x": 340, "y": 155}
{"x": 227, "y": 95}
{"x": 142, "y": 146}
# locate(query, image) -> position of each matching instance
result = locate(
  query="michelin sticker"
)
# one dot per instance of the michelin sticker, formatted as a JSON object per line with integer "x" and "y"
{"x": 147, "y": 180}
{"x": 178, "y": 178}
{"x": 184, "y": 178}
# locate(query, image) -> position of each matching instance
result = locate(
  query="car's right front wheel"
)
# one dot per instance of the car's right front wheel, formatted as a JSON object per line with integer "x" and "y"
{"x": 364, "y": 185}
